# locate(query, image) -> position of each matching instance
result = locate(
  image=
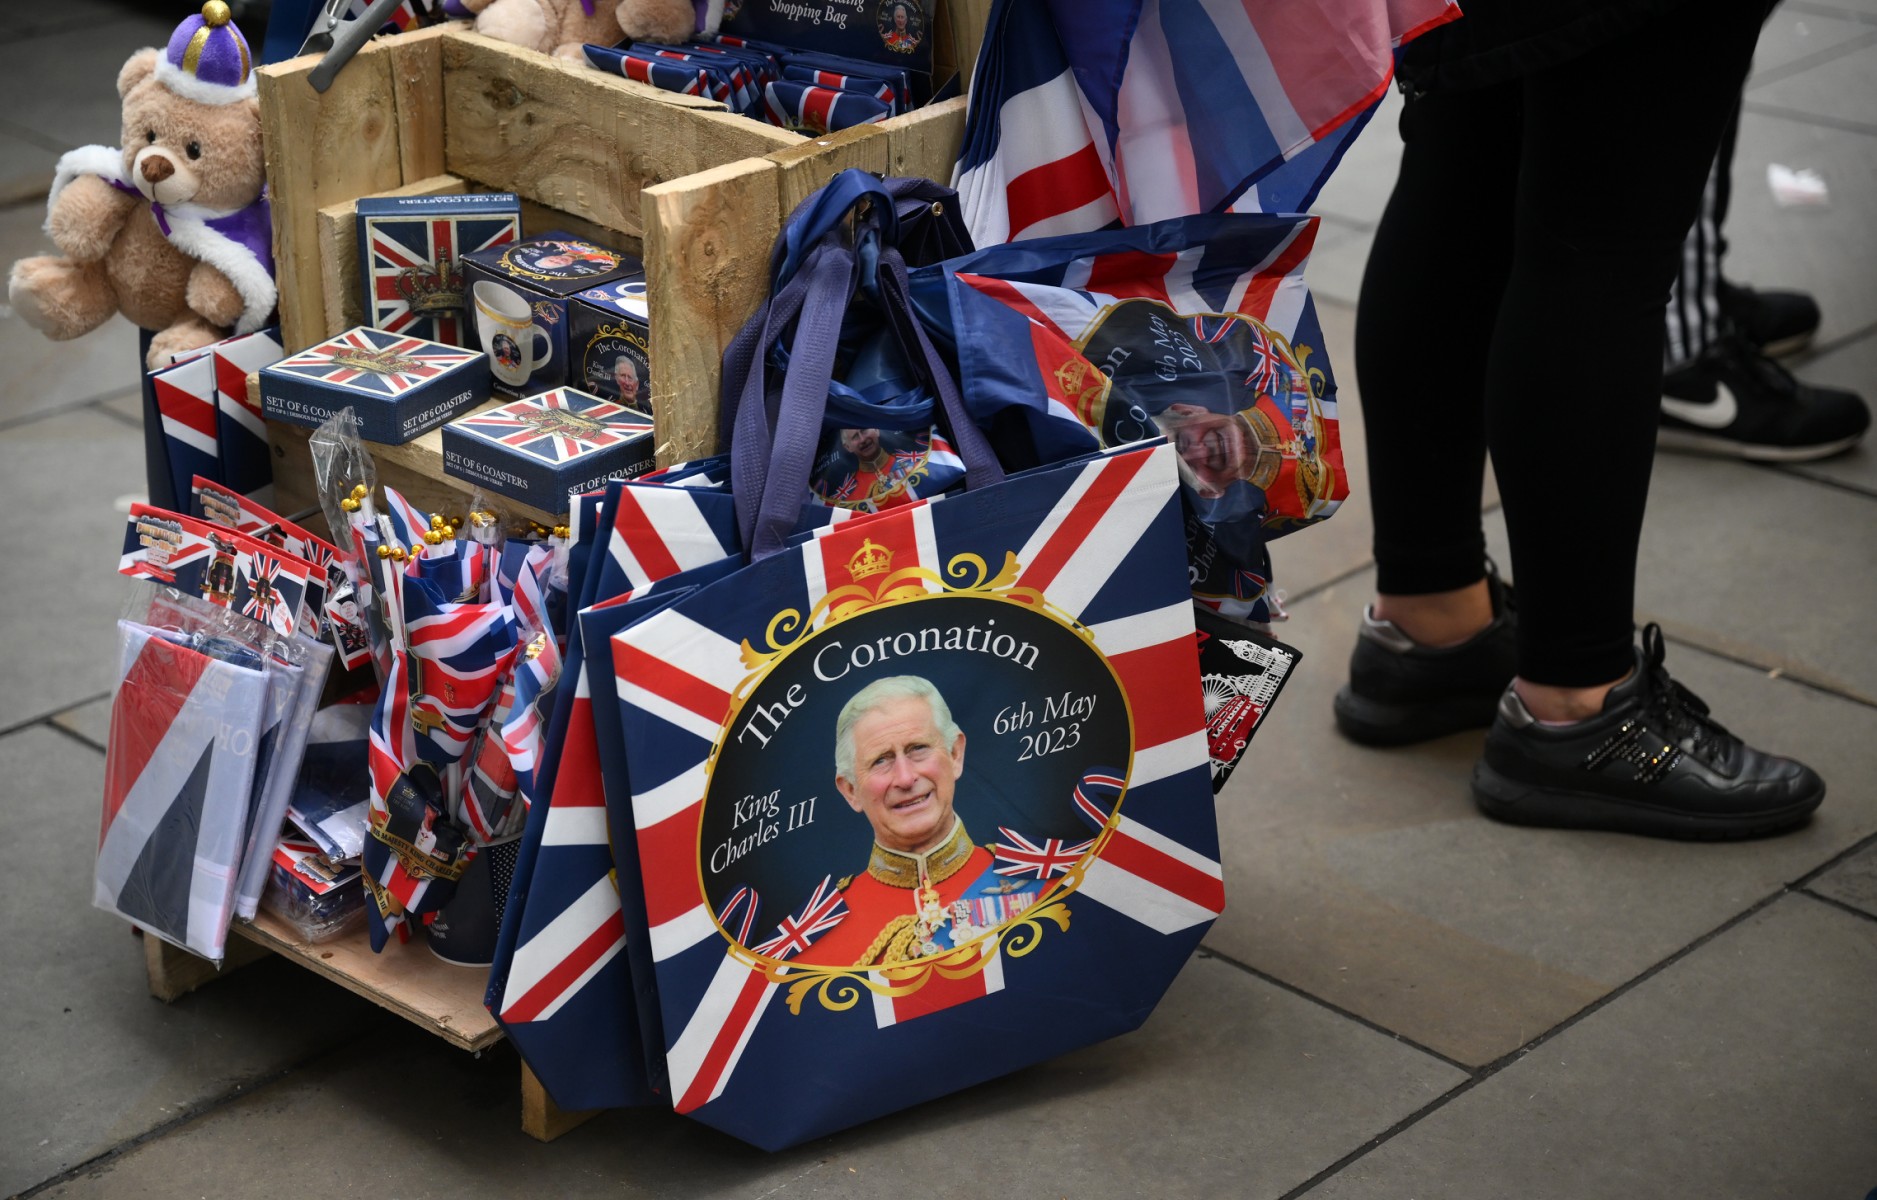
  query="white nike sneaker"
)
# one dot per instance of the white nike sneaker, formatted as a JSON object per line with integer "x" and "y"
{"x": 1735, "y": 401}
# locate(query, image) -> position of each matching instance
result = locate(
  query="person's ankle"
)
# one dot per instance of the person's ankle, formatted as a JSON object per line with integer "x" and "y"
{"x": 1563, "y": 705}
{"x": 1438, "y": 619}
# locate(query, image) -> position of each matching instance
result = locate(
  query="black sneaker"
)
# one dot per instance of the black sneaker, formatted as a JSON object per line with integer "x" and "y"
{"x": 1653, "y": 762}
{"x": 1735, "y": 401}
{"x": 1777, "y": 323}
{"x": 1400, "y": 691}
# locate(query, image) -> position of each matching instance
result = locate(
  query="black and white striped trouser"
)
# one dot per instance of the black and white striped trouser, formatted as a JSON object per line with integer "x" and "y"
{"x": 1694, "y": 320}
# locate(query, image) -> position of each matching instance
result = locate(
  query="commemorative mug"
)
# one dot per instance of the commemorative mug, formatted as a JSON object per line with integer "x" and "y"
{"x": 506, "y": 325}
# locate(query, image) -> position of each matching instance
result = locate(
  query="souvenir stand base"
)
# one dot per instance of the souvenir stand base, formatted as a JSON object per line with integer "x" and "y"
{"x": 431, "y": 994}
{"x": 699, "y": 194}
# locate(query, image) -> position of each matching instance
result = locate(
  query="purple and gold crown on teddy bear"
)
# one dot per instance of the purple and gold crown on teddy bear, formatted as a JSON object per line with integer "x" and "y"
{"x": 207, "y": 60}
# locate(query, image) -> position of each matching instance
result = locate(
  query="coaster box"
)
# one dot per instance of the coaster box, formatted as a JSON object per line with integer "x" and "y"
{"x": 543, "y": 448}
{"x": 409, "y": 257}
{"x": 399, "y": 388}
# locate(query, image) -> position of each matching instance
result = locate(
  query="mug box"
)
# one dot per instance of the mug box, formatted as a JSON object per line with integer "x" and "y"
{"x": 397, "y": 387}
{"x": 516, "y": 300}
{"x": 543, "y": 448}
{"x": 609, "y": 342}
{"x": 409, "y": 249}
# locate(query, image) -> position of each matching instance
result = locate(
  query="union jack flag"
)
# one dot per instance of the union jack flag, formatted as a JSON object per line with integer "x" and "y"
{"x": 247, "y": 463}
{"x": 1138, "y": 111}
{"x": 1046, "y": 859}
{"x": 878, "y": 89}
{"x": 664, "y": 74}
{"x": 825, "y": 909}
{"x": 414, "y": 283}
{"x": 530, "y": 425}
{"x": 374, "y": 362}
{"x": 263, "y": 571}
{"x": 1268, "y": 369}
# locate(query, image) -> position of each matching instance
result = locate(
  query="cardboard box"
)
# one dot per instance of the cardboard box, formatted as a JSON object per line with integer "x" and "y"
{"x": 398, "y": 387}
{"x": 542, "y": 449}
{"x": 609, "y": 342}
{"x": 409, "y": 249}
{"x": 517, "y": 301}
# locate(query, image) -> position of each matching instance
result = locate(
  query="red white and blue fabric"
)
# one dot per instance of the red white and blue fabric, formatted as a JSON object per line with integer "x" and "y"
{"x": 178, "y": 773}
{"x": 865, "y": 85}
{"x": 793, "y": 104}
{"x": 665, "y": 74}
{"x": 188, "y": 554}
{"x": 325, "y": 362}
{"x": 508, "y": 426}
{"x": 824, "y": 910}
{"x": 1101, "y": 538}
{"x": 190, "y": 412}
{"x": 407, "y": 250}
{"x": 1018, "y": 856}
{"x": 562, "y": 984}
{"x": 241, "y": 433}
{"x": 1134, "y": 111}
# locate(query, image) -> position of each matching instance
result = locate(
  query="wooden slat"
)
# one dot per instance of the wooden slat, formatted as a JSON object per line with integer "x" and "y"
{"x": 175, "y": 972}
{"x": 417, "y": 85}
{"x": 341, "y": 287}
{"x": 575, "y": 139}
{"x": 322, "y": 148}
{"x": 802, "y": 170}
{"x": 961, "y": 24}
{"x": 541, "y": 1118}
{"x": 709, "y": 237}
{"x": 926, "y": 142}
{"x": 407, "y": 979}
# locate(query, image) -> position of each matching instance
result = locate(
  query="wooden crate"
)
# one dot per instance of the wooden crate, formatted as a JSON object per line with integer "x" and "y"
{"x": 699, "y": 193}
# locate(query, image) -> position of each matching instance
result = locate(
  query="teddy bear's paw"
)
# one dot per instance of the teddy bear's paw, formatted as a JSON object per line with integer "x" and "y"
{"x": 657, "y": 20}
{"x": 190, "y": 333}
{"x": 517, "y": 22}
{"x": 212, "y": 296}
{"x": 85, "y": 219}
{"x": 60, "y": 298}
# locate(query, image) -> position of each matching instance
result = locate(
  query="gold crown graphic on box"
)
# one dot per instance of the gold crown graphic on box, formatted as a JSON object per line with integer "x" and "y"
{"x": 427, "y": 289}
{"x": 870, "y": 560}
{"x": 379, "y": 362}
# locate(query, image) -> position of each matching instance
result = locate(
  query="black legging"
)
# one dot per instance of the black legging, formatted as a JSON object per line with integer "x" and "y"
{"x": 1514, "y": 300}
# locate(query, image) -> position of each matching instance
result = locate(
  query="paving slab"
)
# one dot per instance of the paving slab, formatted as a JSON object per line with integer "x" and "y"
{"x": 1790, "y": 40}
{"x": 1747, "y": 1069}
{"x": 1809, "y": 249}
{"x": 1837, "y": 89}
{"x": 1853, "y": 366}
{"x": 1337, "y": 262}
{"x": 1783, "y": 566}
{"x": 1368, "y": 879}
{"x": 1359, "y": 189}
{"x": 43, "y": 375}
{"x": 1852, "y": 882}
{"x": 1233, "y": 1087}
{"x": 64, "y": 84}
{"x": 92, "y": 1060}
{"x": 90, "y": 721}
{"x": 61, "y": 593}
{"x": 25, "y": 172}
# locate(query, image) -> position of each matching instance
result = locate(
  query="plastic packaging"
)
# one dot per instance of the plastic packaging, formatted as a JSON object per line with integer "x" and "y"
{"x": 321, "y": 899}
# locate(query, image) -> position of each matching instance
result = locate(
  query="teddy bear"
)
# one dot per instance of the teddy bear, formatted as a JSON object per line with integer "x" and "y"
{"x": 172, "y": 229}
{"x": 560, "y": 27}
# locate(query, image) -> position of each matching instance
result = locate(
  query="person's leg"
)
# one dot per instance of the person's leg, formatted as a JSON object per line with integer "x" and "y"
{"x": 1429, "y": 301}
{"x": 1435, "y": 649}
{"x": 1616, "y": 147}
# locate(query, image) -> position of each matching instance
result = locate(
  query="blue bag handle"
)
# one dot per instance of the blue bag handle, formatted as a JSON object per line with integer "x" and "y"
{"x": 774, "y": 435}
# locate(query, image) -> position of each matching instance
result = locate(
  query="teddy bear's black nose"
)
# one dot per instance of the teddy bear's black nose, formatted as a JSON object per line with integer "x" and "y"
{"x": 156, "y": 168}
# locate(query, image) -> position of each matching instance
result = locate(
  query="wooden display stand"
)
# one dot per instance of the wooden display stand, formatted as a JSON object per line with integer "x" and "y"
{"x": 698, "y": 193}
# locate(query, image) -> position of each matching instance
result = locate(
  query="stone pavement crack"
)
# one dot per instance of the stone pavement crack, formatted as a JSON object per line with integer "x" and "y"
{"x": 44, "y": 718}
{"x": 1855, "y": 911}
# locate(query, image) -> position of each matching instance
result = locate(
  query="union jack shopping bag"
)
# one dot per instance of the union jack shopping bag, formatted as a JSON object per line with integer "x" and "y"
{"x": 1199, "y": 329}
{"x": 911, "y": 788}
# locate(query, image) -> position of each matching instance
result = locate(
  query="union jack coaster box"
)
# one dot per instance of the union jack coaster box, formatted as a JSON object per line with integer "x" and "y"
{"x": 609, "y": 342}
{"x": 399, "y": 387}
{"x": 516, "y": 304}
{"x": 547, "y": 446}
{"x": 410, "y": 249}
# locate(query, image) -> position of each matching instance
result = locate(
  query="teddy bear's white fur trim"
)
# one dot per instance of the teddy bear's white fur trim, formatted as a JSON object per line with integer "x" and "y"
{"x": 189, "y": 87}
{"x": 188, "y": 232}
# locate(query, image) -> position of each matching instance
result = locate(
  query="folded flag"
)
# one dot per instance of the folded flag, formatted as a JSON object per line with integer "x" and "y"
{"x": 810, "y": 109}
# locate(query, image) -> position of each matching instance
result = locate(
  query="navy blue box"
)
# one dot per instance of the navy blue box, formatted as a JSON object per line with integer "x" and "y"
{"x": 409, "y": 252}
{"x": 609, "y": 342}
{"x": 398, "y": 387}
{"x": 516, "y": 304}
{"x": 542, "y": 449}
